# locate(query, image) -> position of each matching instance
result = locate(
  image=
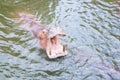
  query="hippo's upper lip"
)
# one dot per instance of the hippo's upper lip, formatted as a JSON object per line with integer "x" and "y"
{"x": 53, "y": 31}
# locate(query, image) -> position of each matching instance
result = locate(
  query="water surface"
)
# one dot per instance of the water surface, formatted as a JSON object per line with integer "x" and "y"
{"x": 93, "y": 40}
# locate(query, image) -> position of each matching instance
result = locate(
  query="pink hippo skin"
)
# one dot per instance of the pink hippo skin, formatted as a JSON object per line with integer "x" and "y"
{"x": 34, "y": 26}
{"x": 49, "y": 39}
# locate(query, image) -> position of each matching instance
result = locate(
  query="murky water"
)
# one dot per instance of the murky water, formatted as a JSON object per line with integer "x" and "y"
{"x": 93, "y": 40}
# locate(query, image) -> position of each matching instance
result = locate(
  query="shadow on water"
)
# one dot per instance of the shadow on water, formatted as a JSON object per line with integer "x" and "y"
{"x": 93, "y": 39}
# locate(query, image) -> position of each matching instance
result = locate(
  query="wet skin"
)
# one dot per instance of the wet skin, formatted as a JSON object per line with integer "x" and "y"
{"x": 43, "y": 38}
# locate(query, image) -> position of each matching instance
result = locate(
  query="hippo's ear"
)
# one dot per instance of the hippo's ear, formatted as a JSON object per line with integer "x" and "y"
{"x": 39, "y": 35}
{"x": 45, "y": 30}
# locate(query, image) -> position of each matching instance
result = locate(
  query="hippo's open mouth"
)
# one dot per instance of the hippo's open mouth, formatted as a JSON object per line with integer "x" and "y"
{"x": 54, "y": 48}
{"x": 50, "y": 41}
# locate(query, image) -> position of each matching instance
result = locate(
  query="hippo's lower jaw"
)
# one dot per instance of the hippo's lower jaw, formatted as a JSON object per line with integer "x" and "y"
{"x": 53, "y": 56}
{"x": 53, "y": 53}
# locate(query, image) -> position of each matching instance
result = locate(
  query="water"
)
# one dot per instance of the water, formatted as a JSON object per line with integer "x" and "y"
{"x": 93, "y": 40}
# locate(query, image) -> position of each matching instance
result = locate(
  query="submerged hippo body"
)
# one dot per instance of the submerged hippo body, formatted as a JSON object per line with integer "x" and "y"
{"x": 30, "y": 23}
{"x": 35, "y": 28}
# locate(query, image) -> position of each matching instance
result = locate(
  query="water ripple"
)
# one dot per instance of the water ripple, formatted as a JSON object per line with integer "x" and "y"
{"x": 93, "y": 39}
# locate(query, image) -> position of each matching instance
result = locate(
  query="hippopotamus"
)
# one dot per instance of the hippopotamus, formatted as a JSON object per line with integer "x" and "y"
{"x": 49, "y": 38}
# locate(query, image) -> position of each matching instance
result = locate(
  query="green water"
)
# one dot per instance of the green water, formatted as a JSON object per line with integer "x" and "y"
{"x": 93, "y": 40}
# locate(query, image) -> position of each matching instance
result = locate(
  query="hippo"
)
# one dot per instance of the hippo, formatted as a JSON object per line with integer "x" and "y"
{"x": 49, "y": 38}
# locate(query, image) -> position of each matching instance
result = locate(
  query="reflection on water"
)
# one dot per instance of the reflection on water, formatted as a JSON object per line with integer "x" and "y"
{"x": 93, "y": 39}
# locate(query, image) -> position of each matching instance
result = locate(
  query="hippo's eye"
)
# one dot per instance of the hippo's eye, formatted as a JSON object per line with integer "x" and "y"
{"x": 44, "y": 32}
